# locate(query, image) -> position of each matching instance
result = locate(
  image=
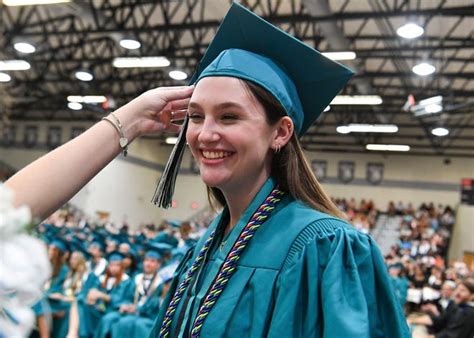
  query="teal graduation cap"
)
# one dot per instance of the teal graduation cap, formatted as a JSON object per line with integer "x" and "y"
{"x": 250, "y": 48}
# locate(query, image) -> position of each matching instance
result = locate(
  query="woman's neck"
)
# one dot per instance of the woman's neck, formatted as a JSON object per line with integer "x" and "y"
{"x": 239, "y": 199}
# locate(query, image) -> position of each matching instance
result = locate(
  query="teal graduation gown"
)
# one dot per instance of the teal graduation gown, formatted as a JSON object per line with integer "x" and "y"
{"x": 132, "y": 325}
{"x": 303, "y": 274}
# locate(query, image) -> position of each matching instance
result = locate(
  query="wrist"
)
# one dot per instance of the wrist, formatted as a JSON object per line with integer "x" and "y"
{"x": 129, "y": 123}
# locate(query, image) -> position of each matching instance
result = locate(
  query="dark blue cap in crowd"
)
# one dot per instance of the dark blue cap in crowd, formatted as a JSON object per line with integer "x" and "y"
{"x": 115, "y": 256}
{"x": 60, "y": 243}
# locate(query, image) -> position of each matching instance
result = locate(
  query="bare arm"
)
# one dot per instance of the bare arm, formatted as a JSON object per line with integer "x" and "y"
{"x": 53, "y": 179}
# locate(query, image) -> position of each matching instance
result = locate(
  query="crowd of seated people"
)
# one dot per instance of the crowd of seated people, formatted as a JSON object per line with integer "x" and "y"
{"x": 108, "y": 281}
{"x": 435, "y": 294}
{"x": 362, "y": 215}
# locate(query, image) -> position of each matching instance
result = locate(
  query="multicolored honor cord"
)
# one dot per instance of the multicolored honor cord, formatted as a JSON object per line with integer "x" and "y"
{"x": 226, "y": 271}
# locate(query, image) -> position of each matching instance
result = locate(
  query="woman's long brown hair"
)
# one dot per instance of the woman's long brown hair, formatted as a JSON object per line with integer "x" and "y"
{"x": 289, "y": 167}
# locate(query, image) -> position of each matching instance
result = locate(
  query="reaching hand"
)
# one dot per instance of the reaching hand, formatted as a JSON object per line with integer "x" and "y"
{"x": 155, "y": 110}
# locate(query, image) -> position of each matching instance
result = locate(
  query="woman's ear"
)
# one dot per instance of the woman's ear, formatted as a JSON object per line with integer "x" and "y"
{"x": 284, "y": 131}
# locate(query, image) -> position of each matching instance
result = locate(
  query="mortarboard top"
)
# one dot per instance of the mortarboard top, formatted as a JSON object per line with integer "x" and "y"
{"x": 174, "y": 223}
{"x": 248, "y": 47}
{"x": 153, "y": 250}
{"x": 98, "y": 242}
{"x": 115, "y": 256}
{"x": 78, "y": 246}
{"x": 60, "y": 243}
{"x": 397, "y": 265}
{"x": 163, "y": 248}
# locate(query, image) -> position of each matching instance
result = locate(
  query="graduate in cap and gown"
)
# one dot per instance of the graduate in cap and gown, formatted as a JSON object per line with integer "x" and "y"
{"x": 97, "y": 263}
{"x": 50, "y": 309}
{"x": 104, "y": 295}
{"x": 140, "y": 301}
{"x": 78, "y": 281}
{"x": 279, "y": 260}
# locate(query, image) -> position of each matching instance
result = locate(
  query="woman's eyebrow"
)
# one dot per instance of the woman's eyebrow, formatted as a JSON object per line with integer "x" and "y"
{"x": 224, "y": 105}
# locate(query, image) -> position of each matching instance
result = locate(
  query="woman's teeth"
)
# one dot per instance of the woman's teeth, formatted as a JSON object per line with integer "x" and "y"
{"x": 215, "y": 154}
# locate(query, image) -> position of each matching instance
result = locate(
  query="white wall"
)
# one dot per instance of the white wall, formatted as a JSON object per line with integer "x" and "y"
{"x": 125, "y": 188}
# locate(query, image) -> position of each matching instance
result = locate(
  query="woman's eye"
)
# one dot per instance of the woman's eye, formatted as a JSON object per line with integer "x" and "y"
{"x": 195, "y": 117}
{"x": 229, "y": 117}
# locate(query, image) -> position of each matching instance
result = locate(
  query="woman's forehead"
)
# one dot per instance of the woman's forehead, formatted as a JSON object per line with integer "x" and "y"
{"x": 222, "y": 92}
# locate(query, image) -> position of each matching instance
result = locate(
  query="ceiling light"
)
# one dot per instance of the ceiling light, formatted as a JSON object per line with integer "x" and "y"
{"x": 84, "y": 76}
{"x": 440, "y": 131}
{"x": 87, "y": 98}
{"x": 32, "y": 2}
{"x": 171, "y": 140}
{"x": 410, "y": 31}
{"x": 431, "y": 100}
{"x": 14, "y": 65}
{"x": 74, "y": 105}
{"x": 371, "y": 128}
{"x": 4, "y": 77}
{"x": 24, "y": 47}
{"x": 434, "y": 108}
{"x": 141, "y": 62}
{"x": 343, "y": 130}
{"x": 387, "y": 147}
{"x": 423, "y": 69}
{"x": 338, "y": 56}
{"x": 357, "y": 99}
{"x": 130, "y": 43}
{"x": 178, "y": 75}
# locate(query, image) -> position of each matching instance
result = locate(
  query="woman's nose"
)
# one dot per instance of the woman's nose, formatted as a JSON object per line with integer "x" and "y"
{"x": 209, "y": 132}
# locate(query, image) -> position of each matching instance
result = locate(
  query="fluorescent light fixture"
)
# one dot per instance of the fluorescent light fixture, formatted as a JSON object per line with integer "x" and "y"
{"x": 387, "y": 147}
{"x": 141, "y": 62}
{"x": 4, "y": 77}
{"x": 440, "y": 131}
{"x": 434, "y": 108}
{"x": 357, "y": 100}
{"x": 24, "y": 47}
{"x": 32, "y": 2}
{"x": 14, "y": 65}
{"x": 171, "y": 140}
{"x": 423, "y": 69}
{"x": 130, "y": 43}
{"x": 431, "y": 100}
{"x": 339, "y": 56}
{"x": 83, "y": 75}
{"x": 368, "y": 128}
{"x": 178, "y": 75}
{"x": 328, "y": 108}
{"x": 74, "y": 105}
{"x": 410, "y": 31}
{"x": 343, "y": 130}
{"x": 87, "y": 98}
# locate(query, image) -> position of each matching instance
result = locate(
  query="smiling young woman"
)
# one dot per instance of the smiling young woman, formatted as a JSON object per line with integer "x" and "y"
{"x": 279, "y": 260}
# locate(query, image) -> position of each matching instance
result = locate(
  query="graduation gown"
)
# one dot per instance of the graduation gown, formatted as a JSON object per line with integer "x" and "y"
{"x": 304, "y": 274}
{"x": 133, "y": 325}
{"x": 90, "y": 315}
{"x": 61, "y": 325}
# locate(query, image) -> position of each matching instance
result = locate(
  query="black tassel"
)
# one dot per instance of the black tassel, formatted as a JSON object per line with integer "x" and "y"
{"x": 165, "y": 189}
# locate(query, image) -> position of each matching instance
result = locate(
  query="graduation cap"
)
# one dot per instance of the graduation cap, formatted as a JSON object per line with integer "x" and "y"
{"x": 60, "y": 243}
{"x": 174, "y": 223}
{"x": 162, "y": 248}
{"x": 77, "y": 246}
{"x": 153, "y": 250}
{"x": 116, "y": 256}
{"x": 247, "y": 47}
{"x": 98, "y": 242}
